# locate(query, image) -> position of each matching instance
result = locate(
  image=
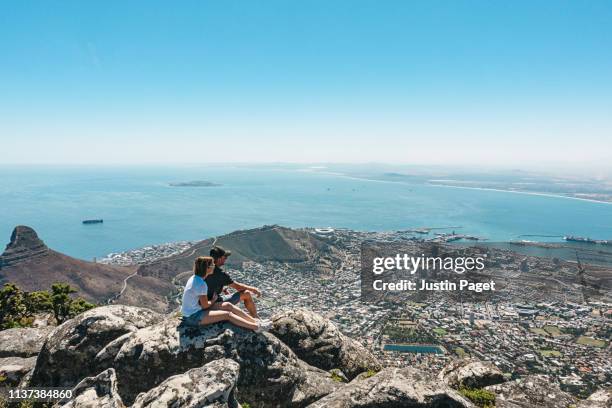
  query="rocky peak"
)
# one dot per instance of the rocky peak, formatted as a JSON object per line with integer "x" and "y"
{"x": 24, "y": 245}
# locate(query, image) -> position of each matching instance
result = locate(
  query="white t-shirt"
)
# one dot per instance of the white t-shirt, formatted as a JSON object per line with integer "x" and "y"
{"x": 196, "y": 286}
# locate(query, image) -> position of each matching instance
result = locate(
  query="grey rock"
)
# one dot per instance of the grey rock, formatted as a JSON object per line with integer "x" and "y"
{"x": 25, "y": 380}
{"x": 14, "y": 369}
{"x": 207, "y": 386}
{"x": 96, "y": 392}
{"x": 68, "y": 354}
{"x": 599, "y": 399}
{"x": 270, "y": 373}
{"x": 318, "y": 341}
{"x": 394, "y": 388}
{"x": 23, "y": 342}
{"x": 532, "y": 391}
{"x": 471, "y": 374}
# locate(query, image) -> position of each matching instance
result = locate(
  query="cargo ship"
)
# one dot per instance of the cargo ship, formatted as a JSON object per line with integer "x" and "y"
{"x": 93, "y": 221}
{"x": 572, "y": 238}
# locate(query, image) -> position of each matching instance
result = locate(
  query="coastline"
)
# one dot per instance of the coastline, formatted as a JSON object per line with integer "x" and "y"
{"x": 500, "y": 190}
{"x": 535, "y": 193}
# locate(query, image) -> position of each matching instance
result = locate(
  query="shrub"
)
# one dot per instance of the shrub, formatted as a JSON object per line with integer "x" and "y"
{"x": 479, "y": 396}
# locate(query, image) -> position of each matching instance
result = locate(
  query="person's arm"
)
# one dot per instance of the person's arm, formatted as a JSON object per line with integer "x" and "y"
{"x": 203, "y": 300}
{"x": 239, "y": 286}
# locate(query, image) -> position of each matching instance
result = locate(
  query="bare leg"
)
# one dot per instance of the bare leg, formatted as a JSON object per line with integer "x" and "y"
{"x": 215, "y": 316}
{"x": 239, "y": 321}
{"x": 247, "y": 298}
{"x": 234, "y": 309}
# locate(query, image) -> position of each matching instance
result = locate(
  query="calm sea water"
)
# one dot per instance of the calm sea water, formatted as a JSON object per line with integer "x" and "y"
{"x": 140, "y": 208}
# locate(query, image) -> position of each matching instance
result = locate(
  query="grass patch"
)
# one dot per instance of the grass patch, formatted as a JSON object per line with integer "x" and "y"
{"x": 553, "y": 331}
{"x": 336, "y": 377}
{"x": 369, "y": 373}
{"x": 550, "y": 353}
{"x": 479, "y": 396}
{"x": 439, "y": 331}
{"x": 589, "y": 341}
{"x": 538, "y": 331}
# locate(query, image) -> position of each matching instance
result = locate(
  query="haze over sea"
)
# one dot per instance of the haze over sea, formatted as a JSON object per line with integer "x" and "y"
{"x": 139, "y": 207}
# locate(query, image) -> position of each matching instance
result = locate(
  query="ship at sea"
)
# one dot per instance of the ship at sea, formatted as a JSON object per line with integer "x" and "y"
{"x": 584, "y": 240}
{"x": 93, "y": 221}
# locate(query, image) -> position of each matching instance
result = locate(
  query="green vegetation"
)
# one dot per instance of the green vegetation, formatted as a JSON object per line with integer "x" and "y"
{"x": 553, "y": 331}
{"x": 550, "y": 353}
{"x": 369, "y": 373}
{"x": 336, "y": 377}
{"x": 245, "y": 405}
{"x": 589, "y": 341}
{"x": 439, "y": 331}
{"x": 539, "y": 331}
{"x": 479, "y": 396}
{"x": 408, "y": 335}
{"x": 459, "y": 351}
{"x": 17, "y": 308}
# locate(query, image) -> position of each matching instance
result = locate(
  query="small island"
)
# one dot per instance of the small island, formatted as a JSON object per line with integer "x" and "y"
{"x": 195, "y": 183}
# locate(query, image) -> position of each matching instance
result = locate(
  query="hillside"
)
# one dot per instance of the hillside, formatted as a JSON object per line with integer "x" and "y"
{"x": 30, "y": 264}
{"x": 268, "y": 243}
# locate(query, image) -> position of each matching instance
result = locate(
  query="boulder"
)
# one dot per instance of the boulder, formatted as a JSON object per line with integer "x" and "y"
{"x": 599, "y": 399}
{"x": 471, "y": 373}
{"x": 13, "y": 369}
{"x": 532, "y": 391}
{"x": 96, "y": 392}
{"x": 270, "y": 373}
{"x": 207, "y": 386}
{"x": 392, "y": 388}
{"x": 68, "y": 354}
{"x": 318, "y": 341}
{"x": 22, "y": 342}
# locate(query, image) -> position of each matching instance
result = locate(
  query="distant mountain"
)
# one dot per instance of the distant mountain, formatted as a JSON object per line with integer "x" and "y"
{"x": 268, "y": 243}
{"x": 31, "y": 265}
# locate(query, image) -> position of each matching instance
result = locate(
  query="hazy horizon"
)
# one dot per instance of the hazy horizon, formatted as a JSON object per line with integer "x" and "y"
{"x": 518, "y": 85}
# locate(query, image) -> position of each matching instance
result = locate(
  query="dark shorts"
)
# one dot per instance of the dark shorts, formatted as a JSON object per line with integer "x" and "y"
{"x": 234, "y": 298}
{"x": 194, "y": 319}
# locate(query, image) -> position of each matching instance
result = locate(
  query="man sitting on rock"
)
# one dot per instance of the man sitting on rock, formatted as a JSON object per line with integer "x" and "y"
{"x": 219, "y": 279}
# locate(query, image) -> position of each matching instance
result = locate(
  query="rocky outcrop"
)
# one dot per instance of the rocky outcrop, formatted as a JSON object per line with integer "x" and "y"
{"x": 22, "y": 342}
{"x": 18, "y": 350}
{"x": 270, "y": 373}
{"x": 24, "y": 246}
{"x": 68, "y": 355}
{"x": 318, "y": 341}
{"x": 96, "y": 392}
{"x": 13, "y": 369}
{"x": 532, "y": 391}
{"x": 391, "y": 388}
{"x": 126, "y": 356}
{"x": 471, "y": 373}
{"x": 599, "y": 399}
{"x": 207, "y": 386}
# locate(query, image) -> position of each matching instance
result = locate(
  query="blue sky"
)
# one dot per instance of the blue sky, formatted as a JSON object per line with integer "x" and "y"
{"x": 459, "y": 82}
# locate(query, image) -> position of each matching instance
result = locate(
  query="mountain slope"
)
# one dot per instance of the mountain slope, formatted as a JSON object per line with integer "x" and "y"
{"x": 29, "y": 264}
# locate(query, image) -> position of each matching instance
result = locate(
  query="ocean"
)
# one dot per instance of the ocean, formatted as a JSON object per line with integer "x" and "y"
{"x": 140, "y": 208}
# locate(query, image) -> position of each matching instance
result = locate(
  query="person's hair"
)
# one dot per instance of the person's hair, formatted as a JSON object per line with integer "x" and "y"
{"x": 201, "y": 264}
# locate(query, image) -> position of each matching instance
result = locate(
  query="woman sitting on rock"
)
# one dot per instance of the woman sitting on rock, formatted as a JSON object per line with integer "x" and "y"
{"x": 197, "y": 309}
